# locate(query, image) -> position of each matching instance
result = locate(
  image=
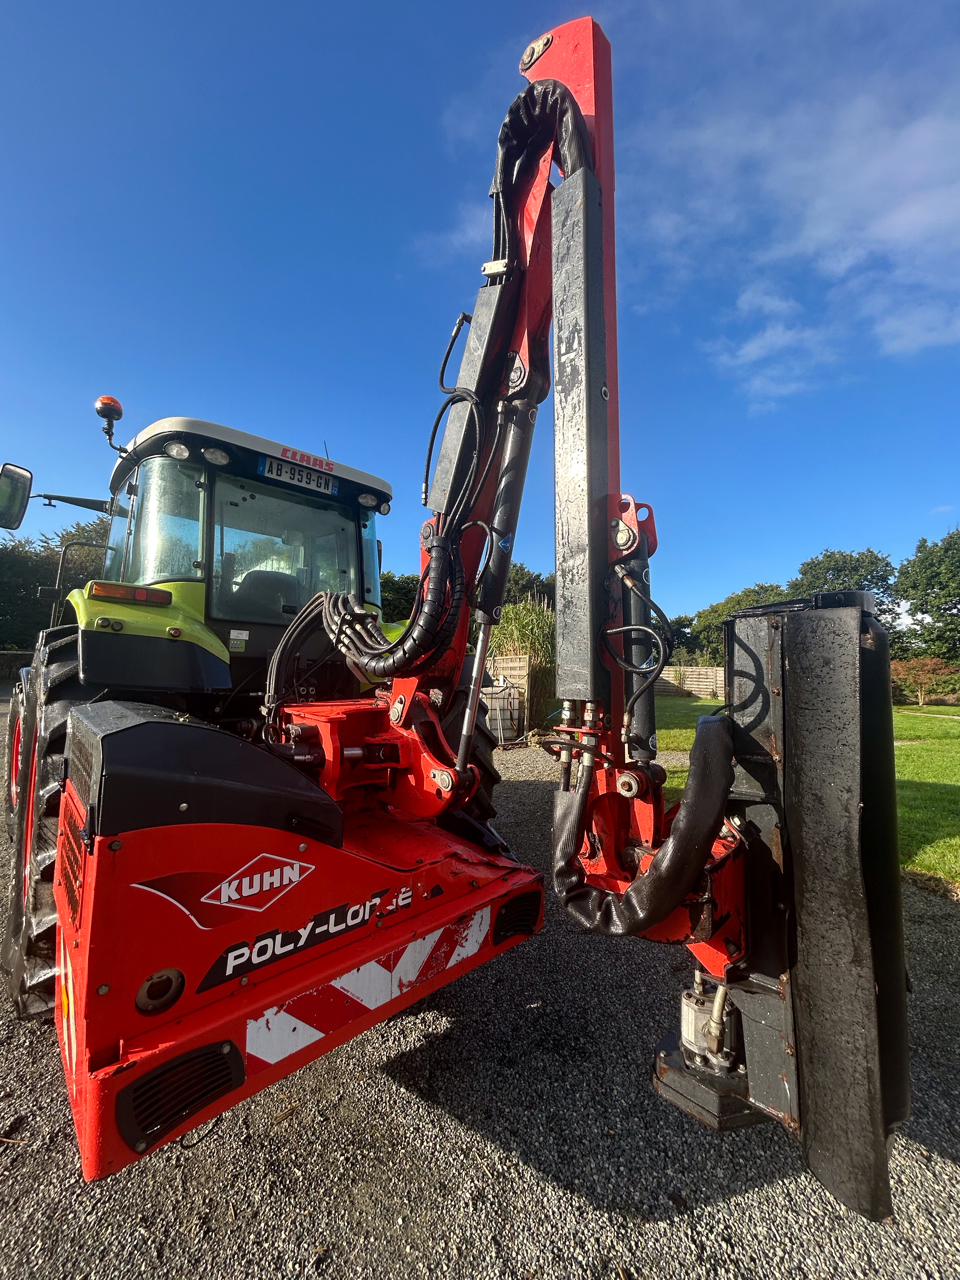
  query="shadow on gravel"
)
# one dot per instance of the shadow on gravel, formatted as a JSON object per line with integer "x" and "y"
{"x": 548, "y": 1054}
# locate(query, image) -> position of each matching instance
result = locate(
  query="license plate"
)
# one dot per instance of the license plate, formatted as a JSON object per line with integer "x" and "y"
{"x": 291, "y": 473}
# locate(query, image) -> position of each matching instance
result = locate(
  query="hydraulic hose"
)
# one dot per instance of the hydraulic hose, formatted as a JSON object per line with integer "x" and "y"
{"x": 356, "y": 633}
{"x": 677, "y": 864}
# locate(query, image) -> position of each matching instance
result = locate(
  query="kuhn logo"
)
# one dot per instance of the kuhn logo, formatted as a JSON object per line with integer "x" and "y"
{"x": 258, "y": 884}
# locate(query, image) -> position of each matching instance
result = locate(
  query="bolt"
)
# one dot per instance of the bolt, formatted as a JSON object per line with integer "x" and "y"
{"x": 614, "y": 524}
{"x": 141, "y": 1146}
{"x": 605, "y": 393}
{"x": 102, "y": 990}
{"x": 395, "y": 713}
{"x": 443, "y": 779}
{"x": 116, "y": 625}
{"x": 663, "y": 1053}
{"x": 624, "y": 538}
{"x": 184, "y": 807}
{"x": 303, "y": 848}
{"x": 225, "y": 1048}
{"x": 116, "y": 845}
{"x": 244, "y": 981}
{"x": 103, "y": 622}
{"x": 173, "y": 632}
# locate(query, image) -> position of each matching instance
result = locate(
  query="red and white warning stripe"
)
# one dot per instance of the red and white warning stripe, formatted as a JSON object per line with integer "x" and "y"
{"x": 307, "y": 1018}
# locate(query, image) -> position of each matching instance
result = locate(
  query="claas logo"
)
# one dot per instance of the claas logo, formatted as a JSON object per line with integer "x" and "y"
{"x": 258, "y": 884}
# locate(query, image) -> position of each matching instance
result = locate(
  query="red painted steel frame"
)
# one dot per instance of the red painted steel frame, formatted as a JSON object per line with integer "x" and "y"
{"x": 578, "y": 55}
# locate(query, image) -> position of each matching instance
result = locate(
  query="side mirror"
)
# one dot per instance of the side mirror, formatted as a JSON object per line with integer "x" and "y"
{"x": 15, "y": 485}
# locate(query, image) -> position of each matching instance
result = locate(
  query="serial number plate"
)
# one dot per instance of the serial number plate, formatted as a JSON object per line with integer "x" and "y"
{"x": 291, "y": 473}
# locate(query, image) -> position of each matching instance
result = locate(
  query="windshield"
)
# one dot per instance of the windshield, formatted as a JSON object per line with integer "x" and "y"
{"x": 275, "y": 549}
{"x": 161, "y": 538}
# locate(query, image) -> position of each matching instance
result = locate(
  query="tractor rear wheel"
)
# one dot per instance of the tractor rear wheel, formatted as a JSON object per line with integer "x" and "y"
{"x": 29, "y": 948}
{"x": 480, "y": 806}
{"x": 13, "y": 752}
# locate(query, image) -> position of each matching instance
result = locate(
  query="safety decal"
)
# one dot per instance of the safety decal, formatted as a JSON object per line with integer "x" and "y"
{"x": 278, "y": 944}
{"x": 304, "y": 1020}
{"x": 256, "y": 886}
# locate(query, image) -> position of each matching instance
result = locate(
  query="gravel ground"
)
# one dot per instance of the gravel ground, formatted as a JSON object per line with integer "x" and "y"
{"x": 504, "y": 1127}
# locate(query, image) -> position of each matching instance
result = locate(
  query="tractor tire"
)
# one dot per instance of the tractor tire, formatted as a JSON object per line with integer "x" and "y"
{"x": 480, "y": 806}
{"x": 28, "y": 955}
{"x": 13, "y": 755}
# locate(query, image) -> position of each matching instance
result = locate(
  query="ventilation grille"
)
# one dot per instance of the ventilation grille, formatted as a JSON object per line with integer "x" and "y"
{"x": 520, "y": 915}
{"x": 80, "y": 760}
{"x": 72, "y": 852}
{"x": 165, "y": 1097}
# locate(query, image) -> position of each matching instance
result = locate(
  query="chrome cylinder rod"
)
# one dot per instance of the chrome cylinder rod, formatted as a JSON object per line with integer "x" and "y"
{"x": 473, "y": 698}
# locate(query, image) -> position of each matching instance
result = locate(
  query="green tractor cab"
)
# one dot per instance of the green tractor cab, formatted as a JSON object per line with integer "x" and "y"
{"x": 217, "y": 540}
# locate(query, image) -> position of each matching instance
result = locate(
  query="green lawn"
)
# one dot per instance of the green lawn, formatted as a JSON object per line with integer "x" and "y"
{"x": 929, "y": 711}
{"x": 928, "y": 777}
{"x": 928, "y": 789}
{"x": 676, "y": 723}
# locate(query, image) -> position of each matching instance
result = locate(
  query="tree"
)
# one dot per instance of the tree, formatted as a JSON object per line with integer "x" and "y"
{"x": 29, "y": 563}
{"x": 923, "y": 676}
{"x": 929, "y": 582}
{"x": 683, "y": 643}
{"x": 851, "y": 571}
{"x": 706, "y": 635}
{"x": 524, "y": 584}
{"x": 398, "y": 593}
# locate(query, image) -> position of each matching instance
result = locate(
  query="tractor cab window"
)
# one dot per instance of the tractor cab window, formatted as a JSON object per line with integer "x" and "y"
{"x": 274, "y": 549}
{"x": 155, "y": 533}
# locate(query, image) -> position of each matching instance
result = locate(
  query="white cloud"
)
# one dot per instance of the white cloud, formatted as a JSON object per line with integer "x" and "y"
{"x": 775, "y": 361}
{"x": 838, "y": 185}
{"x": 472, "y": 232}
{"x": 761, "y": 297}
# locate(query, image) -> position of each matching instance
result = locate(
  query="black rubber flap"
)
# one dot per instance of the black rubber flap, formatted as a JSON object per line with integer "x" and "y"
{"x": 835, "y": 992}
{"x": 135, "y": 766}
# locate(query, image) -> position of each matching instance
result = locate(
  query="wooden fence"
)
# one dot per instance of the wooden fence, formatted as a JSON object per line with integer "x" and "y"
{"x": 535, "y": 685}
{"x": 701, "y": 682}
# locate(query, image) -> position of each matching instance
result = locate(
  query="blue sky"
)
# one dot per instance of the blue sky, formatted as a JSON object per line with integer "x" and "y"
{"x": 270, "y": 215}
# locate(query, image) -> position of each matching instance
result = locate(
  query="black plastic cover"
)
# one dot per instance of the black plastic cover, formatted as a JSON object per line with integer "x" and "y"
{"x": 122, "y": 660}
{"x": 136, "y": 766}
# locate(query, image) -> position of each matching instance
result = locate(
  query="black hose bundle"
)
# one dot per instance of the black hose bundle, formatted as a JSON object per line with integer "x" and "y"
{"x": 357, "y": 634}
{"x": 678, "y": 863}
{"x": 545, "y": 115}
